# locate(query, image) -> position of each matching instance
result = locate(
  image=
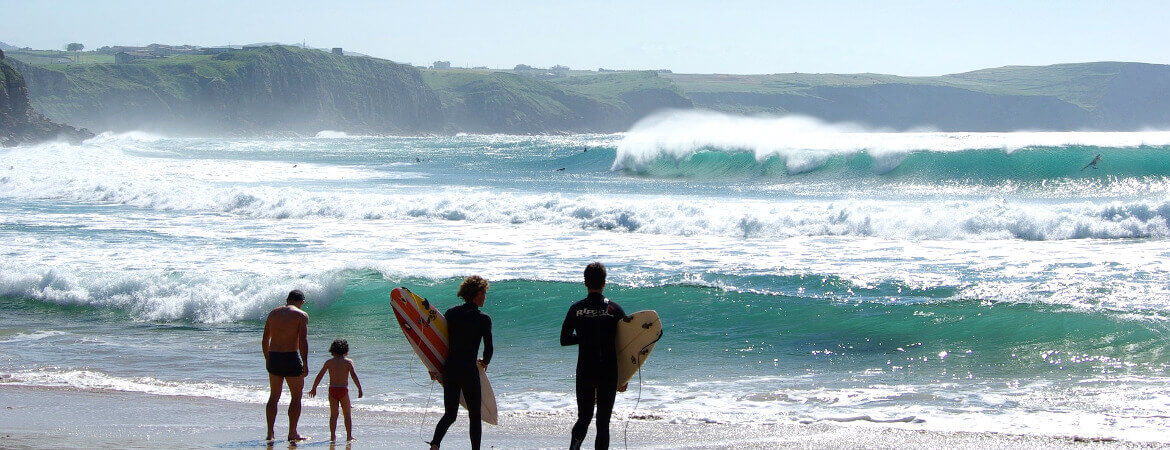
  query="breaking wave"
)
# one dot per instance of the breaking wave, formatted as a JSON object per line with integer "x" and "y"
{"x": 704, "y": 144}
{"x": 174, "y": 190}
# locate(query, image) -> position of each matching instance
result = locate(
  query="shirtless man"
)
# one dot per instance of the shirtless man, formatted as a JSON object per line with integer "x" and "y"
{"x": 285, "y": 333}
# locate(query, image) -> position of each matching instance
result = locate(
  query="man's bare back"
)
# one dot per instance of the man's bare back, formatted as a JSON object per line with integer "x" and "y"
{"x": 284, "y": 328}
{"x": 286, "y": 333}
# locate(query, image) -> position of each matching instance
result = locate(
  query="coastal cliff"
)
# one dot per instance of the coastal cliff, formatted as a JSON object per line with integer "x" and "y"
{"x": 282, "y": 90}
{"x": 1085, "y": 96}
{"x": 266, "y": 90}
{"x": 19, "y": 122}
{"x": 501, "y": 102}
{"x": 289, "y": 90}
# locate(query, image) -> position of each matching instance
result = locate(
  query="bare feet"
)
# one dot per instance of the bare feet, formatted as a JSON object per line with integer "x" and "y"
{"x": 351, "y": 438}
{"x": 297, "y": 438}
{"x": 270, "y": 438}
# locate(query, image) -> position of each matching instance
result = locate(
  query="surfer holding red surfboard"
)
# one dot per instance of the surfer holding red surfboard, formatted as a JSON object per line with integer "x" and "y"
{"x": 466, "y": 327}
{"x": 612, "y": 348}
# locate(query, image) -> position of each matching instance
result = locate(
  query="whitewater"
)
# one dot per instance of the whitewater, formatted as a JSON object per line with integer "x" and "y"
{"x": 804, "y": 271}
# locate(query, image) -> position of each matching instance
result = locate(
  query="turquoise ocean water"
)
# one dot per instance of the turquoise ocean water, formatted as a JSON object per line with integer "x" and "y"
{"x": 952, "y": 281}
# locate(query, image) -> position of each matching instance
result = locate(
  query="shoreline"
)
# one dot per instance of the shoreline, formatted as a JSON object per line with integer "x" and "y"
{"x": 53, "y": 417}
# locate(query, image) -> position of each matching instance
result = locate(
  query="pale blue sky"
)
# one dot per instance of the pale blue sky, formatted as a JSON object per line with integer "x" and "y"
{"x": 898, "y": 37}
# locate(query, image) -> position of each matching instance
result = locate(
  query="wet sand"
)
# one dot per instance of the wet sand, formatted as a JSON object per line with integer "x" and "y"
{"x": 41, "y": 417}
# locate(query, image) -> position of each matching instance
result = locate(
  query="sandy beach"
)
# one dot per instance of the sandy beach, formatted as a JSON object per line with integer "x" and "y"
{"x": 37, "y": 417}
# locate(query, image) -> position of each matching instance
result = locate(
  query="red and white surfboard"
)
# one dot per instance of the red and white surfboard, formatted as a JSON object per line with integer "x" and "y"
{"x": 426, "y": 331}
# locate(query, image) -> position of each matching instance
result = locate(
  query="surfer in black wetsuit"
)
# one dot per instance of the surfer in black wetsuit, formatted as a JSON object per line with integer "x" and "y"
{"x": 466, "y": 326}
{"x": 591, "y": 324}
{"x": 1092, "y": 163}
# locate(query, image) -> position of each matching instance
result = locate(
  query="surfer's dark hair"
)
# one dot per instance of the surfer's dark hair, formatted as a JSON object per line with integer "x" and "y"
{"x": 471, "y": 287}
{"x": 296, "y": 296}
{"x": 595, "y": 276}
{"x": 339, "y": 347}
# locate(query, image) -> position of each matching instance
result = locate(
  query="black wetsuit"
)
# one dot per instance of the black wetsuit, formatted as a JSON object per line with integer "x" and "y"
{"x": 592, "y": 325}
{"x": 466, "y": 326}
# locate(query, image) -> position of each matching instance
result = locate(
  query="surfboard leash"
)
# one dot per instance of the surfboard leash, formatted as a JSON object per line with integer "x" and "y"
{"x": 422, "y": 423}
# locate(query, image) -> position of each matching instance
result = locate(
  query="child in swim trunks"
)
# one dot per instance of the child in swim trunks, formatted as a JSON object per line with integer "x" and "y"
{"x": 340, "y": 369}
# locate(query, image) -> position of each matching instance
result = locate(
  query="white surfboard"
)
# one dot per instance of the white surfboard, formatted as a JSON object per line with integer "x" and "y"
{"x": 487, "y": 404}
{"x": 636, "y": 336}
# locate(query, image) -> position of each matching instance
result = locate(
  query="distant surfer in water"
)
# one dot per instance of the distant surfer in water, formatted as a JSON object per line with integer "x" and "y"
{"x": 1092, "y": 163}
{"x": 466, "y": 327}
{"x": 285, "y": 335}
{"x": 591, "y": 324}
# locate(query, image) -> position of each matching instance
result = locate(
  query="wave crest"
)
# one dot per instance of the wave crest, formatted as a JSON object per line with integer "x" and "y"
{"x": 202, "y": 298}
{"x": 704, "y": 144}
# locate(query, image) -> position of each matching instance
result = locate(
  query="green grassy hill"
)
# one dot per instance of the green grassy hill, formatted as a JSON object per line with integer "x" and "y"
{"x": 281, "y": 89}
{"x": 1105, "y": 95}
{"x": 60, "y": 56}
{"x": 627, "y": 95}
{"x": 503, "y": 102}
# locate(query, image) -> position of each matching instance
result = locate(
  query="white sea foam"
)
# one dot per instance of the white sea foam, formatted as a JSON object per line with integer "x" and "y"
{"x": 330, "y": 134}
{"x": 805, "y": 142}
{"x": 31, "y": 336}
{"x": 216, "y": 297}
{"x": 1126, "y": 408}
{"x": 89, "y": 379}
{"x": 111, "y": 138}
{"x": 398, "y": 401}
{"x": 112, "y": 177}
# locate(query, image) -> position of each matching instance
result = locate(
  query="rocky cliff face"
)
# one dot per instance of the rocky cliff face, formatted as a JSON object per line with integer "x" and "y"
{"x": 307, "y": 91}
{"x": 505, "y": 103}
{"x": 270, "y": 90}
{"x": 288, "y": 90}
{"x": 19, "y": 123}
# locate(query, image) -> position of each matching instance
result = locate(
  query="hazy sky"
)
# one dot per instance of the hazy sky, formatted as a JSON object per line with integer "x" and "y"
{"x": 898, "y": 37}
